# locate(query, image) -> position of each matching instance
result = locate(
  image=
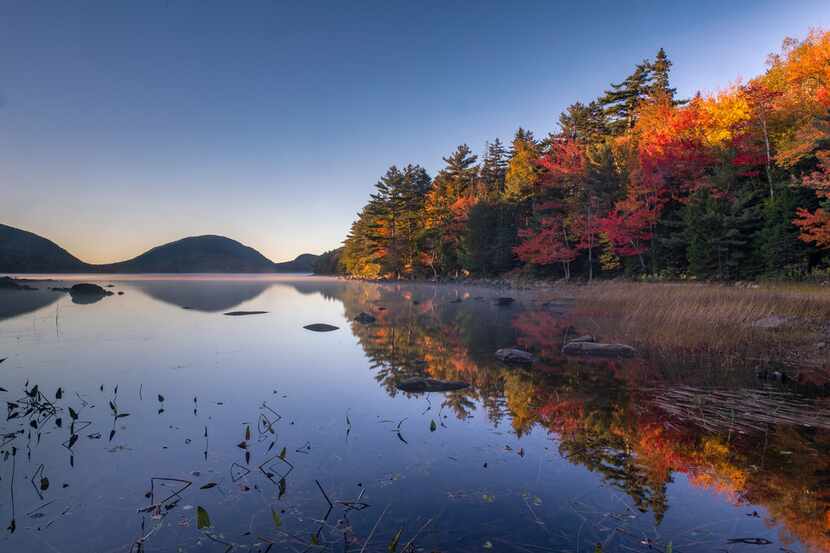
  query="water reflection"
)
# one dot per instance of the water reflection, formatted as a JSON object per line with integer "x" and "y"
{"x": 19, "y": 302}
{"x": 631, "y": 453}
{"x": 206, "y": 296}
{"x": 627, "y": 420}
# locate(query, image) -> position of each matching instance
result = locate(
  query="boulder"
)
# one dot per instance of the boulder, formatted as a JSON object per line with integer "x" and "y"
{"x": 513, "y": 355}
{"x": 86, "y": 292}
{"x": 421, "y": 385}
{"x": 364, "y": 318}
{"x": 86, "y": 288}
{"x": 320, "y": 327}
{"x": 598, "y": 350}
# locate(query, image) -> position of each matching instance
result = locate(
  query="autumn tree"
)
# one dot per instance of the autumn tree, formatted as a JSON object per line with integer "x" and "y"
{"x": 522, "y": 169}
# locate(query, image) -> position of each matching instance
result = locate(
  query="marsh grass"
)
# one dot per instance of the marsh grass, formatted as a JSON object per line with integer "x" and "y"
{"x": 720, "y": 322}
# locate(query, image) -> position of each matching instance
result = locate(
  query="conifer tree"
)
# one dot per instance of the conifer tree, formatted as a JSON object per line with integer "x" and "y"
{"x": 585, "y": 123}
{"x": 493, "y": 170}
{"x": 621, "y": 100}
{"x": 660, "y": 69}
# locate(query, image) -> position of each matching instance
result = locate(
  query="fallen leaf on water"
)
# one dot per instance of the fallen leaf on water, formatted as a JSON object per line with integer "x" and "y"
{"x": 202, "y": 518}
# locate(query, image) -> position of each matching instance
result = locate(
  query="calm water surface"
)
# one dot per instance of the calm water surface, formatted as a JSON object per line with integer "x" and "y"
{"x": 261, "y": 423}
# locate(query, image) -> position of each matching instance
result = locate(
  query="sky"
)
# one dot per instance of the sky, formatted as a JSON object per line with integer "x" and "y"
{"x": 125, "y": 125}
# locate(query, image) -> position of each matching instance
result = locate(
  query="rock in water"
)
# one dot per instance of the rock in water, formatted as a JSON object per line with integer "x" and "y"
{"x": 598, "y": 350}
{"x": 419, "y": 385}
{"x": 773, "y": 321}
{"x": 88, "y": 288}
{"x": 513, "y": 355}
{"x": 584, "y": 338}
{"x": 504, "y": 301}
{"x": 320, "y": 327}
{"x": 87, "y": 293}
{"x": 364, "y": 318}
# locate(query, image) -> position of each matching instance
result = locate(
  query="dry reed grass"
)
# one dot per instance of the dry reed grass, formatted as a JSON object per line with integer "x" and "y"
{"x": 711, "y": 319}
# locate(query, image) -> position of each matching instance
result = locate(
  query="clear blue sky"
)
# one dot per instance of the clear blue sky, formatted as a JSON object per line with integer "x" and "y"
{"x": 127, "y": 124}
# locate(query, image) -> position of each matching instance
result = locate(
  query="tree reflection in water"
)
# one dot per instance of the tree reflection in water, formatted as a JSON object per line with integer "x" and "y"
{"x": 605, "y": 414}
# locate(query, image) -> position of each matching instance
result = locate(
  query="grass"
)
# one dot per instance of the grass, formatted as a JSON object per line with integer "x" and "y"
{"x": 711, "y": 319}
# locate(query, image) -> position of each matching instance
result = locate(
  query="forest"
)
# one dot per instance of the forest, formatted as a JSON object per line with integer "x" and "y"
{"x": 638, "y": 182}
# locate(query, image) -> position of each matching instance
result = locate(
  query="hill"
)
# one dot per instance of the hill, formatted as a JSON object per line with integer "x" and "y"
{"x": 303, "y": 263}
{"x": 26, "y": 252}
{"x": 196, "y": 254}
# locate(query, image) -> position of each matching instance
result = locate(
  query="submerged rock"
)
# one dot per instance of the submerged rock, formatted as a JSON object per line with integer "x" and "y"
{"x": 241, "y": 313}
{"x": 598, "y": 350}
{"x": 764, "y": 374}
{"x": 320, "y": 327}
{"x": 513, "y": 355}
{"x": 419, "y": 384}
{"x": 364, "y": 318}
{"x": 773, "y": 321}
{"x": 504, "y": 300}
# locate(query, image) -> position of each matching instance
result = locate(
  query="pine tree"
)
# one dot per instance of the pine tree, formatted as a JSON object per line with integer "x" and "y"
{"x": 781, "y": 251}
{"x": 409, "y": 204}
{"x": 621, "y": 101}
{"x": 487, "y": 246}
{"x": 585, "y": 123}
{"x": 493, "y": 170}
{"x": 660, "y": 69}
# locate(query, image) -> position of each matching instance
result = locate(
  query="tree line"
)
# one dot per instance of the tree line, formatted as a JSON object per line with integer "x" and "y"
{"x": 637, "y": 182}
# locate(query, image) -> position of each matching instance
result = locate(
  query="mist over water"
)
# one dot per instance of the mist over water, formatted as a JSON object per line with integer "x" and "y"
{"x": 297, "y": 440}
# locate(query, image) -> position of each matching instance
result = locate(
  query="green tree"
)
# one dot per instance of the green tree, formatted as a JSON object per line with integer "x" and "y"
{"x": 620, "y": 102}
{"x": 493, "y": 170}
{"x": 489, "y": 238}
{"x": 585, "y": 123}
{"x": 660, "y": 68}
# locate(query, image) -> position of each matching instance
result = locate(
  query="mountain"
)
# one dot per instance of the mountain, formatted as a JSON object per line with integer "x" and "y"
{"x": 196, "y": 254}
{"x": 303, "y": 263}
{"x": 25, "y": 252}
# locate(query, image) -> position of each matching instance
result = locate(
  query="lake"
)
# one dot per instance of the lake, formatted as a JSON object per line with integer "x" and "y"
{"x": 134, "y": 420}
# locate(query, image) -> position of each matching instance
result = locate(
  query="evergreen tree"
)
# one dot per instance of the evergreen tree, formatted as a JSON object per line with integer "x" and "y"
{"x": 493, "y": 170}
{"x": 585, "y": 123}
{"x": 489, "y": 238}
{"x": 660, "y": 69}
{"x": 780, "y": 250}
{"x": 621, "y": 101}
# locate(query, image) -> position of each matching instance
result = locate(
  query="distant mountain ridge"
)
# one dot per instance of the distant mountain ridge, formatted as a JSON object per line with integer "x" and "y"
{"x": 25, "y": 252}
